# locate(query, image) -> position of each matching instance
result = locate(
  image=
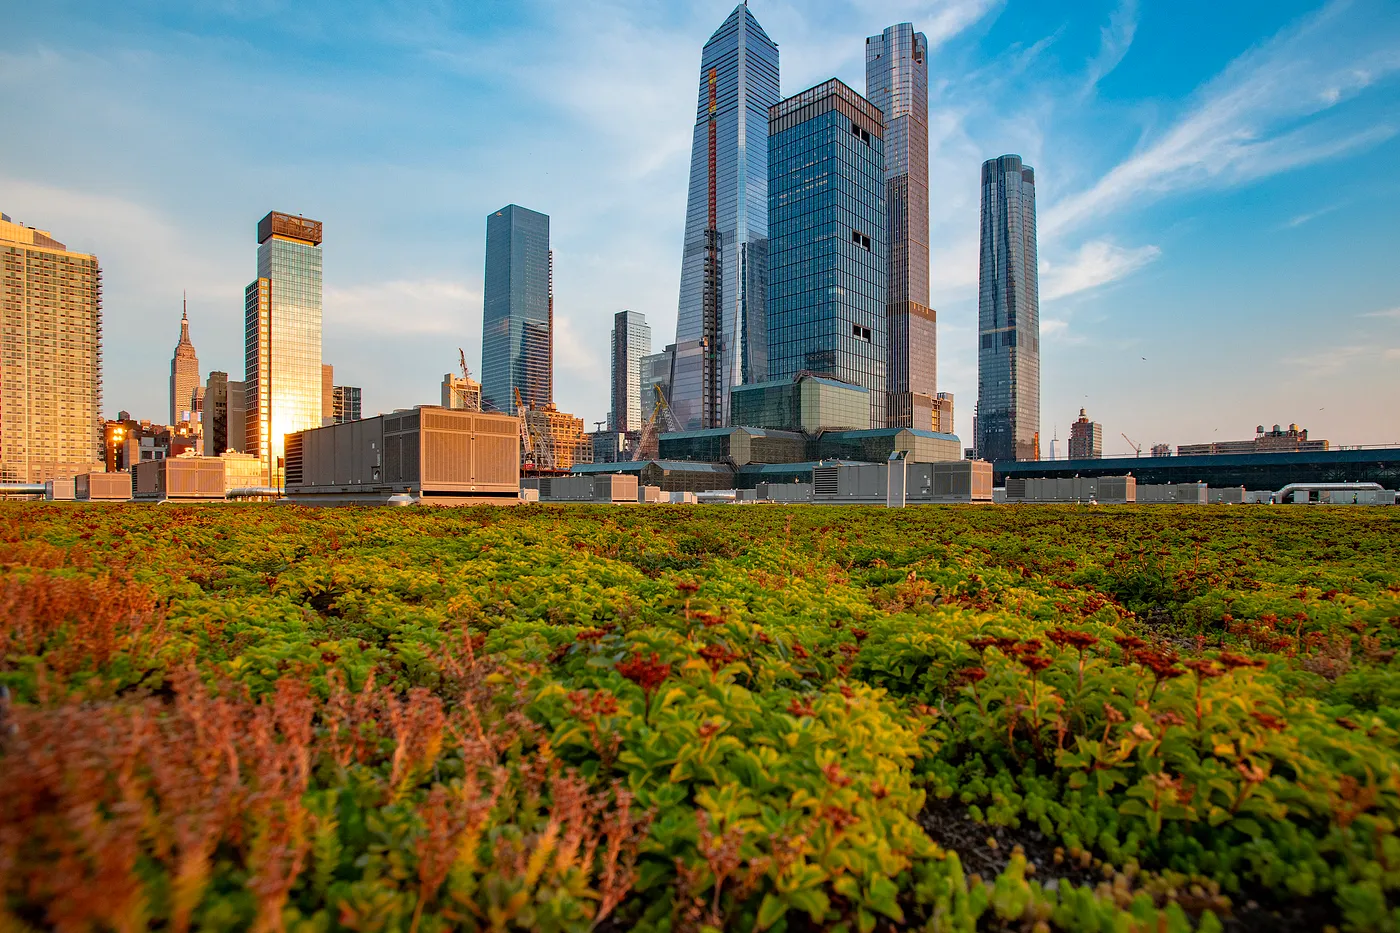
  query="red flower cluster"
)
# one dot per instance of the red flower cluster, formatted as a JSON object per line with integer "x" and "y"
{"x": 582, "y": 705}
{"x": 1069, "y": 638}
{"x": 717, "y": 656}
{"x": 1204, "y": 667}
{"x": 1130, "y": 642}
{"x": 1161, "y": 663}
{"x": 838, "y": 819}
{"x": 799, "y": 707}
{"x": 647, "y": 673}
{"x": 1035, "y": 663}
{"x": 970, "y": 675}
{"x": 834, "y": 777}
{"x": 1235, "y": 661}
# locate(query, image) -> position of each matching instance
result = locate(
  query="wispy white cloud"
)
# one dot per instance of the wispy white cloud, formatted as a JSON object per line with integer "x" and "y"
{"x": 423, "y": 306}
{"x": 1245, "y": 123}
{"x": 1331, "y": 361}
{"x": 1308, "y": 216}
{"x": 1114, "y": 41}
{"x": 1388, "y": 312}
{"x": 1097, "y": 263}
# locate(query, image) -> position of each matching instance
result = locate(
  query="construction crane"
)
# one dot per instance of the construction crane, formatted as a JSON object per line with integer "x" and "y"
{"x": 539, "y": 452}
{"x": 527, "y": 441}
{"x": 1132, "y": 443}
{"x": 468, "y": 400}
{"x": 647, "y": 445}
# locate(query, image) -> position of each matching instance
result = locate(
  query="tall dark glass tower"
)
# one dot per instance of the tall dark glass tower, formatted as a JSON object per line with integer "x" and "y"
{"x": 1007, "y": 424}
{"x": 896, "y": 81}
{"x": 827, "y": 256}
{"x": 517, "y": 341}
{"x": 720, "y": 328}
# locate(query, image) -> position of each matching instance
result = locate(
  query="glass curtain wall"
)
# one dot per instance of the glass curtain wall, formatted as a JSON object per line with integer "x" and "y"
{"x": 827, "y": 252}
{"x": 745, "y": 65}
{"x": 517, "y": 345}
{"x": 896, "y": 81}
{"x": 1007, "y": 423}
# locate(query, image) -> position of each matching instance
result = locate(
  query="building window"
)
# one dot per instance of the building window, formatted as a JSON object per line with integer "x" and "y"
{"x": 861, "y": 333}
{"x": 860, "y": 239}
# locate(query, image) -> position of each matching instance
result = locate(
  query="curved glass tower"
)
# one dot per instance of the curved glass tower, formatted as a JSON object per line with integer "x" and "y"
{"x": 721, "y": 331}
{"x": 1007, "y": 424}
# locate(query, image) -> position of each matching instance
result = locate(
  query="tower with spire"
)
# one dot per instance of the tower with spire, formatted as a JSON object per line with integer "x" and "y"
{"x": 184, "y": 370}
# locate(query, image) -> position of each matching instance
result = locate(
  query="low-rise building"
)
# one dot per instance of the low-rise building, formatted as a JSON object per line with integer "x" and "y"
{"x": 1101, "y": 489}
{"x": 911, "y": 483}
{"x": 736, "y": 446}
{"x": 807, "y": 402}
{"x": 434, "y": 455}
{"x": 876, "y": 446}
{"x": 1294, "y": 439}
{"x": 189, "y": 479}
{"x": 103, "y": 487}
{"x": 613, "y": 488}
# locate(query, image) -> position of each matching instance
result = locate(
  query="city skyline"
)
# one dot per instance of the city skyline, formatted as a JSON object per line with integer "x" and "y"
{"x": 1156, "y": 208}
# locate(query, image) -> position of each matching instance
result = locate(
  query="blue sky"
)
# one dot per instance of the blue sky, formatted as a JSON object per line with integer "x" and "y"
{"x": 1218, "y": 183}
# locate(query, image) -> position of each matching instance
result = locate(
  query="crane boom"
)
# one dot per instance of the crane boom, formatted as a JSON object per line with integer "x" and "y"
{"x": 1132, "y": 443}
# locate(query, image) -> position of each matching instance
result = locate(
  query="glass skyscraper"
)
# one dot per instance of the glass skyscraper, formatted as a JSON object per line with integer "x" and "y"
{"x": 517, "y": 341}
{"x": 1007, "y": 423}
{"x": 631, "y": 341}
{"x": 722, "y": 345}
{"x": 896, "y": 81}
{"x": 827, "y": 253}
{"x": 282, "y": 337}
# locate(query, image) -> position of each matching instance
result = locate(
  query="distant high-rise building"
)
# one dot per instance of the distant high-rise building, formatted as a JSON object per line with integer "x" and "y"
{"x": 943, "y": 413}
{"x": 1085, "y": 438}
{"x": 896, "y": 81}
{"x": 346, "y": 404}
{"x": 460, "y": 392}
{"x": 184, "y": 372}
{"x": 50, "y": 357}
{"x": 656, "y": 374}
{"x": 327, "y": 394}
{"x": 517, "y": 346}
{"x": 720, "y": 328}
{"x": 282, "y": 337}
{"x": 1007, "y": 424}
{"x": 224, "y": 424}
{"x": 827, "y": 263}
{"x": 631, "y": 341}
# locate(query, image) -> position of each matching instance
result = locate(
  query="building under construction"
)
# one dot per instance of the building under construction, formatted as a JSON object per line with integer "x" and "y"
{"x": 553, "y": 441}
